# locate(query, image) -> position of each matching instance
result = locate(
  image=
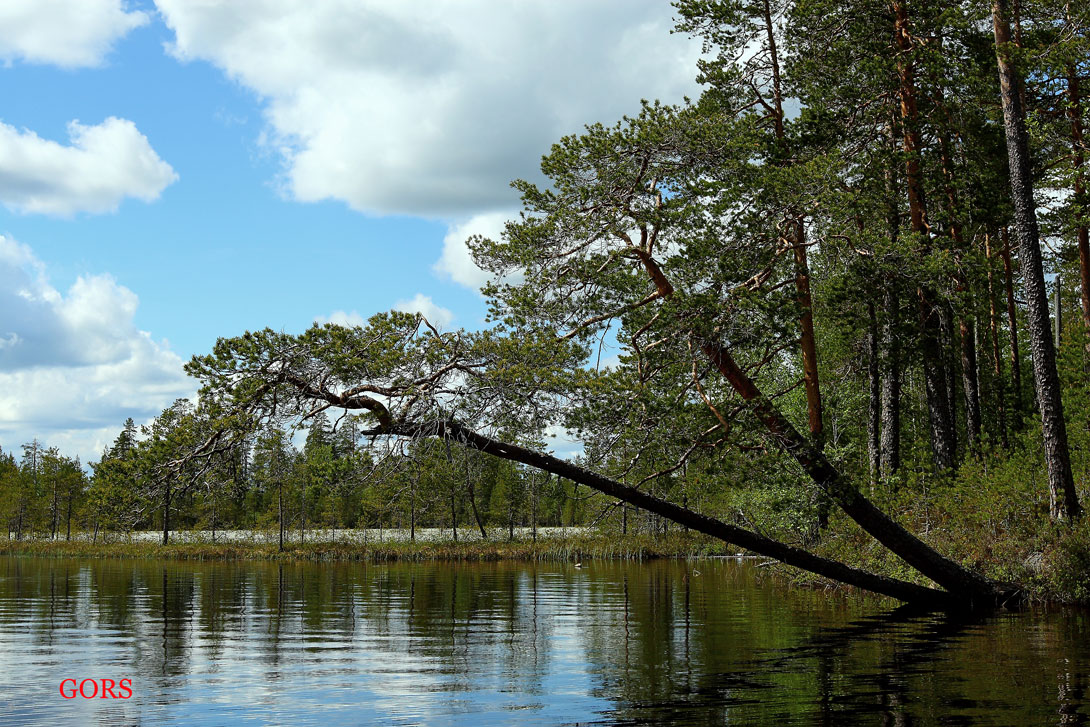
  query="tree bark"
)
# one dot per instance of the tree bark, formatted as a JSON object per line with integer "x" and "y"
{"x": 948, "y": 574}
{"x": 1064, "y": 504}
{"x": 971, "y": 589}
{"x": 947, "y": 347}
{"x": 473, "y": 502}
{"x": 891, "y": 388}
{"x": 751, "y": 541}
{"x": 942, "y": 570}
{"x": 1082, "y": 233}
{"x": 1012, "y": 325}
{"x": 938, "y": 402}
{"x": 453, "y": 514}
{"x": 966, "y": 326}
{"x": 874, "y": 413}
{"x": 997, "y": 359}
{"x": 53, "y": 511}
{"x": 969, "y": 381}
{"x": 890, "y": 359}
{"x": 166, "y": 514}
{"x": 807, "y": 340}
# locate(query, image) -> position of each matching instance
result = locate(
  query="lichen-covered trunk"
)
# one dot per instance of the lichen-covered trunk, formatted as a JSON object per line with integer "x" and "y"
{"x": 1064, "y": 503}
{"x": 891, "y": 387}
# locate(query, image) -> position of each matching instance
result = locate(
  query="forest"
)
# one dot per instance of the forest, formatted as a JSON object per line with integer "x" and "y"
{"x": 834, "y": 311}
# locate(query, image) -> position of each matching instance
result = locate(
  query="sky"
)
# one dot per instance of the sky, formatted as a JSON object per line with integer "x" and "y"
{"x": 180, "y": 170}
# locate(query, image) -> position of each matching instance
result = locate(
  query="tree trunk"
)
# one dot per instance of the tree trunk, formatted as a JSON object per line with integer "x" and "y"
{"x": 53, "y": 511}
{"x": 875, "y": 405}
{"x": 280, "y": 509}
{"x": 473, "y": 502}
{"x": 997, "y": 359}
{"x": 68, "y": 518}
{"x": 972, "y": 588}
{"x": 1082, "y": 234}
{"x": 950, "y": 575}
{"x": 1057, "y": 310}
{"x": 1064, "y": 504}
{"x": 966, "y": 326}
{"x": 969, "y": 381}
{"x": 453, "y": 514}
{"x": 942, "y": 570}
{"x": 166, "y": 514}
{"x": 891, "y": 389}
{"x": 948, "y": 345}
{"x": 938, "y": 402}
{"x": 890, "y": 354}
{"x": 1012, "y": 325}
{"x": 533, "y": 507}
{"x": 807, "y": 341}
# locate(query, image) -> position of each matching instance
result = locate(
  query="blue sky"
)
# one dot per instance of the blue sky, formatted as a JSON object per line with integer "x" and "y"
{"x": 176, "y": 171}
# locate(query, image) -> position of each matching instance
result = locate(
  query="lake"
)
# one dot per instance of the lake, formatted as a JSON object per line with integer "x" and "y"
{"x": 661, "y": 642}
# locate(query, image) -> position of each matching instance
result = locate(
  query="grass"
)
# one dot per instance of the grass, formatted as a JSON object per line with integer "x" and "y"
{"x": 594, "y": 546}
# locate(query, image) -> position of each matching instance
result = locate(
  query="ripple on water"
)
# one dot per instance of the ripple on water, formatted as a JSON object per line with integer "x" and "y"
{"x": 497, "y": 643}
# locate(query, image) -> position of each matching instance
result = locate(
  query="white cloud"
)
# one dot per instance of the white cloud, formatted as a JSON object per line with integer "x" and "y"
{"x": 73, "y": 366}
{"x": 65, "y": 33}
{"x": 102, "y": 165}
{"x": 455, "y": 261}
{"x": 431, "y": 108}
{"x": 437, "y": 315}
{"x": 340, "y": 318}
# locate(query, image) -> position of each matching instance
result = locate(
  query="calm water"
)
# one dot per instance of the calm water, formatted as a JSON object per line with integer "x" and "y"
{"x": 439, "y": 644}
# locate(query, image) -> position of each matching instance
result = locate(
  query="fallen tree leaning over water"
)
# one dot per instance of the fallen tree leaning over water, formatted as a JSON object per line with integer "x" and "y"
{"x": 416, "y": 377}
{"x": 692, "y": 238}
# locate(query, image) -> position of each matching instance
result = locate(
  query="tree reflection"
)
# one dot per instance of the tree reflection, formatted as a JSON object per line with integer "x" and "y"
{"x": 630, "y": 643}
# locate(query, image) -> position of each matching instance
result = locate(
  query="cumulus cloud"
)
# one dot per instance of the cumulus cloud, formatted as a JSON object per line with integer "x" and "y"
{"x": 73, "y": 366}
{"x": 102, "y": 165}
{"x": 65, "y": 33}
{"x": 341, "y": 318}
{"x": 437, "y": 315}
{"x": 455, "y": 262}
{"x": 431, "y": 108}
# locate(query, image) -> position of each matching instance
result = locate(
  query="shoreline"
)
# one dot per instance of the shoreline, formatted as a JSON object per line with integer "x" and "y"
{"x": 589, "y": 546}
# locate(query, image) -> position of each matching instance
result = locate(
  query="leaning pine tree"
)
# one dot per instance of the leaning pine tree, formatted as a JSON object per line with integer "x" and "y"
{"x": 636, "y": 237}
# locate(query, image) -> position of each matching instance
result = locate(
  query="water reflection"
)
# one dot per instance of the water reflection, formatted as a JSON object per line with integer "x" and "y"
{"x": 614, "y": 643}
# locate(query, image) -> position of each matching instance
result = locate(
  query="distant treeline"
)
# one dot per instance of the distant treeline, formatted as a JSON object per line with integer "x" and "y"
{"x": 334, "y": 481}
